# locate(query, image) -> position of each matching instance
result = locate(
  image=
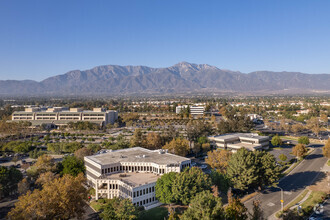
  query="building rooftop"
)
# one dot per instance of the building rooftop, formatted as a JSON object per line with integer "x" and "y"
{"x": 133, "y": 179}
{"x": 240, "y": 135}
{"x": 239, "y": 145}
{"x": 137, "y": 154}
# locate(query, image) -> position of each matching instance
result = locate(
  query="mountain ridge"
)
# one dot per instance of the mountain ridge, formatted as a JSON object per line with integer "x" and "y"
{"x": 182, "y": 77}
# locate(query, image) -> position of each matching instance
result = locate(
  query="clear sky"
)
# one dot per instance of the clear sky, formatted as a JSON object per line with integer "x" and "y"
{"x": 43, "y": 38}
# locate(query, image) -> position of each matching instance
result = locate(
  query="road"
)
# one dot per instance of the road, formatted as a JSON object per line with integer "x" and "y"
{"x": 302, "y": 176}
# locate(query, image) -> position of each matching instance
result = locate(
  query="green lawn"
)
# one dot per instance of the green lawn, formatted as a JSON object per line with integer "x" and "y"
{"x": 96, "y": 206}
{"x": 157, "y": 213}
{"x": 328, "y": 162}
{"x": 314, "y": 198}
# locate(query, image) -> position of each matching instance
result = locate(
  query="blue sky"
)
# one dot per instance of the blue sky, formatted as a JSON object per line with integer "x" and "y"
{"x": 43, "y": 38}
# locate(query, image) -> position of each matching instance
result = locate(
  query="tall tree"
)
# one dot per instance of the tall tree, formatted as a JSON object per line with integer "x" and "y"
{"x": 326, "y": 149}
{"x": 218, "y": 159}
{"x": 257, "y": 212}
{"x": 299, "y": 150}
{"x": 62, "y": 198}
{"x": 9, "y": 178}
{"x": 73, "y": 166}
{"x": 83, "y": 152}
{"x": 276, "y": 140}
{"x": 267, "y": 170}
{"x": 242, "y": 169}
{"x": 153, "y": 141}
{"x": 178, "y": 146}
{"x": 45, "y": 163}
{"x": 137, "y": 139}
{"x": 235, "y": 209}
{"x": 121, "y": 209}
{"x": 204, "y": 206}
{"x": 188, "y": 183}
{"x": 164, "y": 186}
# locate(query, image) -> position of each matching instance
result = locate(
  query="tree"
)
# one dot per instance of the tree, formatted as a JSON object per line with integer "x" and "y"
{"x": 62, "y": 198}
{"x": 297, "y": 128}
{"x": 220, "y": 180}
{"x": 204, "y": 206}
{"x": 188, "y": 183}
{"x": 282, "y": 157}
{"x": 9, "y": 178}
{"x": 257, "y": 213}
{"x": 73, "y": 166}
{"x": 242, "y": 169}
{"x": 153, "y": 141}
{"x": 235, "y": 209}
{"x": 23, "y": 186}
{"x": 326, "y": 149}
{"x": 46, "y": 178}
{"x": 267, "y": 170}
{"x": 119, "y": 209}
{"x": 276, "y": 141}
{"x": 303, "y": 140}
{"x": 299, "y": 150}
{"x": 218, "y": 159}
{"x": 314, "y": 125}
{"x": 137, "y": 139}
{"x": 44, "y": 164}
{"x": 83, "y": 152}
{"x": 178, "y": 146}
{"x": 164, "y": 188}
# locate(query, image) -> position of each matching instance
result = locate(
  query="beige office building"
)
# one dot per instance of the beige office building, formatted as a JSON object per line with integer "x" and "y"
{"x": 236, "y": 141}
{"x": 131, "y": 173}
{"x": 62, "y": 116}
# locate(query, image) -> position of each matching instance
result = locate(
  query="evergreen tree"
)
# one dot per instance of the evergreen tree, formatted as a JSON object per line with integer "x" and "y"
{"x": 164, "y": 188}
{"x": 204, "y": 206}
{"x": 242, "y": 169}
{"x": 188, "y": 183}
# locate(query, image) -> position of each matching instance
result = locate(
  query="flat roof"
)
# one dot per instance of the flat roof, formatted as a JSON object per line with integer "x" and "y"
{"x": 133, "y": 179}
{"x": 136, "y": 154}
{"x": 239, "y": 135}
{"x": 245, "y": 145}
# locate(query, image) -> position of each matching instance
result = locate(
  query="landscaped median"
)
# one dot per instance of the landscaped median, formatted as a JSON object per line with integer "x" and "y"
{"x": 306, "y": 204}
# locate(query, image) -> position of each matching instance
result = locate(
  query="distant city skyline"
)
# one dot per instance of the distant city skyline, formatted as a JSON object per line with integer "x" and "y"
{"x": 40, "y": 39}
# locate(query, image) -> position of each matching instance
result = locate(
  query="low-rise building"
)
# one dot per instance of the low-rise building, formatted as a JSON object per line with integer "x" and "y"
{"x": 237, "y": 141}
{"x": 62, "y": 115}
{"x": 194, "y": 110}
{"x": 131, "y": 173}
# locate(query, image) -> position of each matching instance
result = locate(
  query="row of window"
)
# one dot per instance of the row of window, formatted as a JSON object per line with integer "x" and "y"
{"x": 22, "y": 118}
{"x": 146, "y": 201}
{"x": 65, "y": 118}
{"x": 93, "y": 114}
{"x": 92, "y": 118}
{"x": 144, "y": 192}
{"x": 45, "y": 118}
{"x": 133, "y": 169}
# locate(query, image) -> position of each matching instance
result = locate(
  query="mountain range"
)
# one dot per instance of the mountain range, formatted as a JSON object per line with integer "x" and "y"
{"x": 181, "y": 78}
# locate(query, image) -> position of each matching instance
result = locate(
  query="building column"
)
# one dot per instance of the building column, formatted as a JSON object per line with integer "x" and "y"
{"x": 108, "y": 190}
{"x": 96, "y": 191}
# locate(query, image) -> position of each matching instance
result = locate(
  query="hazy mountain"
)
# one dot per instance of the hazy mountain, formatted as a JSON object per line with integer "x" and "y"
{"x": 180, "y": 78}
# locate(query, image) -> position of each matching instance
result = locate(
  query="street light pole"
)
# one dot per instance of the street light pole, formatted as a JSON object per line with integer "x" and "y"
{"x": 281, "y": 198}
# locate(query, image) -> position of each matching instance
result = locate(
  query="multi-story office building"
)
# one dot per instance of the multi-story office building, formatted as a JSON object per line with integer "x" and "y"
{"x": 194, "y": 110}
{"x": 62, "y": 116}
{"x": 236, "y": 141}
{"x": 131, "y": 173}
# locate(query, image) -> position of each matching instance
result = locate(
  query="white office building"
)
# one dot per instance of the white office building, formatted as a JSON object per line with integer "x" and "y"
{"x": 62, "y": 115}
{"x": 194, "y": 110}
{"x": 236, "y": 141}
{"x": 131, "y": 173}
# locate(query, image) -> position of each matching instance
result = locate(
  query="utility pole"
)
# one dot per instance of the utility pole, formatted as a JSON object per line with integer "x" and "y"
{"x": 282, "y": 201}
